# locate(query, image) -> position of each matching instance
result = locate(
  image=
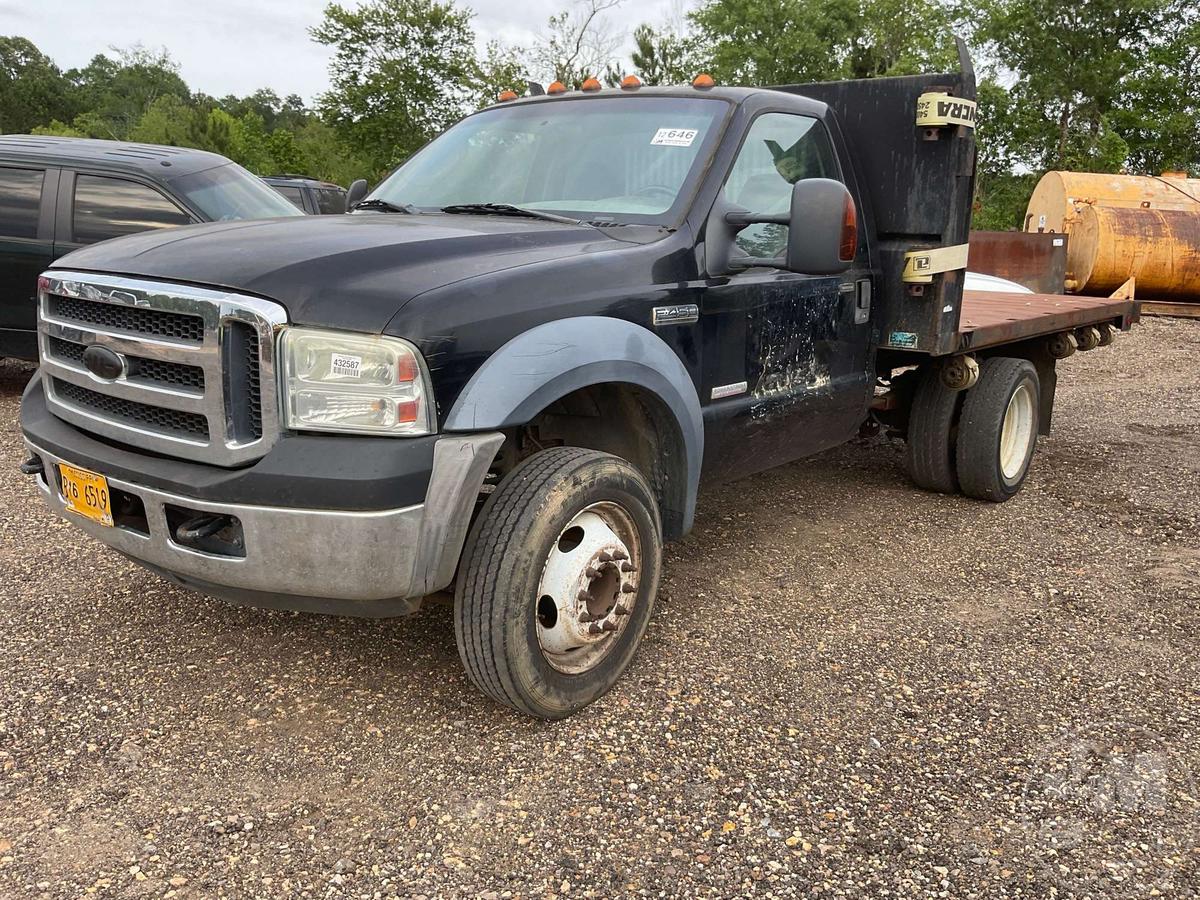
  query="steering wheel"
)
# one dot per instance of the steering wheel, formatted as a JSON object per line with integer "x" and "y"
{"x": 661, "y": 189}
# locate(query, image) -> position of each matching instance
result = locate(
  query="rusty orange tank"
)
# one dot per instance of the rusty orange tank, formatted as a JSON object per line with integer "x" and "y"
{"x": 1120, "y": 226}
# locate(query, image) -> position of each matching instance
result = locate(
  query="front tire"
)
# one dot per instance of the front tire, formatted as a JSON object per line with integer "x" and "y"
{"x": 558, "y": 580}
{"x": 998, "y": 429}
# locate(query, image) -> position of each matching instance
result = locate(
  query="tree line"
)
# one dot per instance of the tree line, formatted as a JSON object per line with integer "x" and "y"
{"x": 1094, "y": 85}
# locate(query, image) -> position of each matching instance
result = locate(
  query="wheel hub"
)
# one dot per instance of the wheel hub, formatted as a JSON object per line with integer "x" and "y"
{"x": 588, "y": 588}
{"x": 1016, "y": 431}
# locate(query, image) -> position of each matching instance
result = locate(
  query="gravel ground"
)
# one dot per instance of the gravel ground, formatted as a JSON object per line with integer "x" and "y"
{"x": 848, "y": 688}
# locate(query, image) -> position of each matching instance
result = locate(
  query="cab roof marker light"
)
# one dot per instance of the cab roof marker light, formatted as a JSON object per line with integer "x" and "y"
{"x": 506, "y": 96}
{"x": 556, "y": 87}
{"x": 590, "y": 84}
{"x": 703, "y": 82}
{"x": 630, "y": 83}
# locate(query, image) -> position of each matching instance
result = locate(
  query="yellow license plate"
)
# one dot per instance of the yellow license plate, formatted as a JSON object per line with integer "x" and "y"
{"x": 86, "y": 493}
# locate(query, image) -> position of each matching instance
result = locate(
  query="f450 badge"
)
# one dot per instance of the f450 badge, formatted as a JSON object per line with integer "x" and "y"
{"x": 680, "y": 314}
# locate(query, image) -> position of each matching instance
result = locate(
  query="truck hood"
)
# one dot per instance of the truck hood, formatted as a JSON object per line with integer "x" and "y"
{"x": 351, "y": 272}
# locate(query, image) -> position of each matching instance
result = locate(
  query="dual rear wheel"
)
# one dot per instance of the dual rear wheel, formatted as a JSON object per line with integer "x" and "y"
{"x": 979, "y": 441}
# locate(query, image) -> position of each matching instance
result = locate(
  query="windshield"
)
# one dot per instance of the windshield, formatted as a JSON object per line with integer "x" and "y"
{"x": 605, "y": 158}
{"x": 230, "y": 192}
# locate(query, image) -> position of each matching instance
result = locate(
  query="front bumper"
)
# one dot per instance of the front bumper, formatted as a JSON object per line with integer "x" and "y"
{"x": 348, "y": 562}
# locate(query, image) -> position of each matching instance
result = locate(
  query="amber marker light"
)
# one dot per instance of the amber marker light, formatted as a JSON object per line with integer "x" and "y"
{"x": 703, "y": 82}
{"x": 849, "y": 243}
{"x": 556, "y": 87}
{"x": 630, "y": 83}
{"x": 505, "y": 96}
{"x": 590, "y": 84}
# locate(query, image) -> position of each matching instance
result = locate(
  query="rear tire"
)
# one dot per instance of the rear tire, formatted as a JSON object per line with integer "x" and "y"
{"x": 998, "y": 429}
{"x": 558, "y": 580}
{"x": 931, "y": 434}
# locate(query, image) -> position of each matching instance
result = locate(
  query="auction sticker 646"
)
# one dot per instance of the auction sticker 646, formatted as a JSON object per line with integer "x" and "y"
{"x": 674, "y": 137}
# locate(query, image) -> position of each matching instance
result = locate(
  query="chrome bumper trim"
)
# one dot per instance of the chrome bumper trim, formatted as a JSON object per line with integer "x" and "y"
{"x": 344, "y": 555}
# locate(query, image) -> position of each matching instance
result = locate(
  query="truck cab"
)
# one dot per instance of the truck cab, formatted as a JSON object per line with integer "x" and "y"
{"x": 512, "y": 369}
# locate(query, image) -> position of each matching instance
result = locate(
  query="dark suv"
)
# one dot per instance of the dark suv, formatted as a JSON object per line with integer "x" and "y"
{"x": 58, "y": 194}
{"x": 318, "y": 198}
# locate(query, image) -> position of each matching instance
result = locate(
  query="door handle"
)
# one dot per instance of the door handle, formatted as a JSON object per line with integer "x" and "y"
{"x": 862, "y": 301}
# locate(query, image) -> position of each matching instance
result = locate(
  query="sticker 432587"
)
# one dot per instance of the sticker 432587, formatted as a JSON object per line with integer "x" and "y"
{"x": 345, "y": 365}
{"x": 674, "y": 137}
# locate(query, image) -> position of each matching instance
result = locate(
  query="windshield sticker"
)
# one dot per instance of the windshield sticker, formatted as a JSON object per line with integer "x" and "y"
{"x": 674, "y": 137}
{"x": 346, "y": 366}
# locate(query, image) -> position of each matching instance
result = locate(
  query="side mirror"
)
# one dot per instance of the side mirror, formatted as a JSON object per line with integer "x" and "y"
{"x": 822, "y": 231}
{"x": 355, "y": 193}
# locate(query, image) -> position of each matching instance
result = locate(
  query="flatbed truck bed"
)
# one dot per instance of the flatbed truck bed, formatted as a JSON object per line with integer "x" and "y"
{"x": 993, "y": 318}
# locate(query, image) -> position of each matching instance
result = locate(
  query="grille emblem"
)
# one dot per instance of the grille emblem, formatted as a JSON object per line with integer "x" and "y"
{"x": 103, "y": 363}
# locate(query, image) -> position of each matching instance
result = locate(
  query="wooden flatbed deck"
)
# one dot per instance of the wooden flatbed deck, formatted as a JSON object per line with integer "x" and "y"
{"x": 993, "y": 317}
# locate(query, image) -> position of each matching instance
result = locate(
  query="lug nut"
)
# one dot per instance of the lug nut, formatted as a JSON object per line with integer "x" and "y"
{"x": 604, "y": 556}
{"x": 620, "y": 610}
{"x": 620, "y": 554}
{"x": 627, "y": 567}
{"x": 627, "y": 588}
{"x": 586, "y": 617}
{"x": 591, "y": 572}
{"x": 595, "y": 628}
{"x": 583, "y": 596}
{"x": 609, "y": 625}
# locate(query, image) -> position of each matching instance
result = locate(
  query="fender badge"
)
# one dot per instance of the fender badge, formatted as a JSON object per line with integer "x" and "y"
{"x": 729, "y": 390}
{"x": 681, "y": 314}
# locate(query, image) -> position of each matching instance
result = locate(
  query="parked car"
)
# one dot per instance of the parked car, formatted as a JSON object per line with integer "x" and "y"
{"x": 310, "y": 195}
{"x": 58, "y": 194}
{"x": 515, "y": 366}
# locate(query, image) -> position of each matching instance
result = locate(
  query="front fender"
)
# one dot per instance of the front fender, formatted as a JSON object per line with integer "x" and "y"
{"x": 546, "y": 363}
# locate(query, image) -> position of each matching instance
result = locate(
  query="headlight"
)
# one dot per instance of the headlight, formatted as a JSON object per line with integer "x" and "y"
{"x": 346, "y": 382}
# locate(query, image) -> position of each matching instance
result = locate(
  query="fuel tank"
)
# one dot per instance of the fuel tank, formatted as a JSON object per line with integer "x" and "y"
{"x": 1160, "y": 248}
{"x": 1147, "y": 227}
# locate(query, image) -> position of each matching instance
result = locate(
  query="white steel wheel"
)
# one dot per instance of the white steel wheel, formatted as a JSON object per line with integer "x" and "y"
{"x": 1015, "y": 433}
{"x": 998, "y": 429}
{"x": 588, "y": 588}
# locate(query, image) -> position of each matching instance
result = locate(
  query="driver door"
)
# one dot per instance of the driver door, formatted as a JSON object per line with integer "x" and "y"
{"x": 786, "y": 355}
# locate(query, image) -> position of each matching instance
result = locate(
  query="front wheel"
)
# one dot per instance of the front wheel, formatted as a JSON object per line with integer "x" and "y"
{"x": 557, "y": 581}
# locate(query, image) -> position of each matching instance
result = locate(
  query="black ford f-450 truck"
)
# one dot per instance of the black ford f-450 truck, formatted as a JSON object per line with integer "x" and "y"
{"x": 513, "y": 368}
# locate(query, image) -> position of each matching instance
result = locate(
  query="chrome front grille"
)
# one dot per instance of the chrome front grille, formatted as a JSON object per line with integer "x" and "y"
{"x": 198, "y": 365}
{"x": 129, "y": 319}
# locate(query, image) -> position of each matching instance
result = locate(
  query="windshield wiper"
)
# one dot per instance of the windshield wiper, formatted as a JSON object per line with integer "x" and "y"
{"x": 507, "y": 209}
{"x": 386, "y": 206}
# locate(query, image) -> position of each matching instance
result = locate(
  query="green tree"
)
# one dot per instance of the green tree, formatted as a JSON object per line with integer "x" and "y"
{"x": 323, "y": 154}
{"x": 402, "y": 71}
{"x": 173, "y": 121}
{"x": 501, "y": 69}
{"x": 57, "y": 129}
{"x": 115, "y": 94}
{"x": 1071, "y": 64}
{"x": 1159, "y": 117}
{"x": 1000, "y": 193}
{"x": 765, "y": 42}
{"x": 32, "y": 89}
{"x": 660, "y": 56}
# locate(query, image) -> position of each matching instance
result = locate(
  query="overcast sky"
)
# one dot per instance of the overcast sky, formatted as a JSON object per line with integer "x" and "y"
{"x": 236, "y": 46}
